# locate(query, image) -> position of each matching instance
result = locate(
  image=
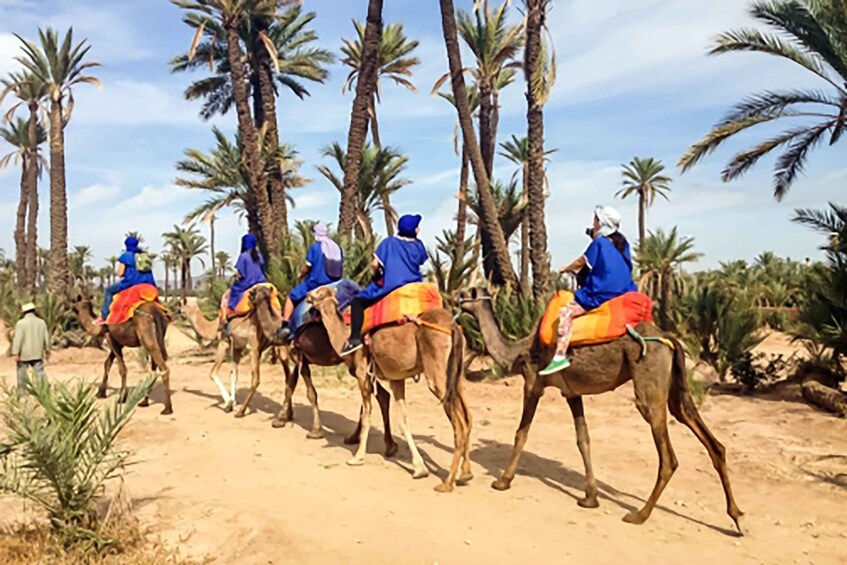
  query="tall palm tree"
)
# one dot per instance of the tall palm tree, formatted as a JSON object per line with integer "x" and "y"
{"x": 813, "y": 35}
{"x": 379, "y": 178}
{"x": 186, "y": 244}
{"x": 59, "y": 65}
{"x": 504, "y": 271}
{"x": 495, "y": 44}
{"x": 540, "y": 75}
{"x": 31, "y": 161}
{"x": 659, "y": 257}
{"x": 30, "y": 90}
{"x": 230, "y": 15}
{"x": 394, "y": 61}
{"x": 517, "y": 151}
{"x": 359, "y": 118}
{"x": 644, "y": 178}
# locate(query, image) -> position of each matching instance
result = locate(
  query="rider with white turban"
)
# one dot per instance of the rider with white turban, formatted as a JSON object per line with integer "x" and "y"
{"x": 609, "y": 263}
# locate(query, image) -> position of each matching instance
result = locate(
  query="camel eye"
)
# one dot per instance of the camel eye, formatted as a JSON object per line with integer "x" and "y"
{"x": 474, "y": 293}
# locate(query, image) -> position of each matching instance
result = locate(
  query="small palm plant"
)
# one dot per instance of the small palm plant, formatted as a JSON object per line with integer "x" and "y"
{"x": 59, "y": 451}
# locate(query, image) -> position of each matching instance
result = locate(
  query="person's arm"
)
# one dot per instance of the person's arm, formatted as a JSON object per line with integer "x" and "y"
{"x": 239, "y": 267}
{"x": 576, "y": 266}
{"x": 312, "y": 256}
{"x": 121, "y": 270}
{"x": 46, "y": 337}
{"x": 17, "y": 342}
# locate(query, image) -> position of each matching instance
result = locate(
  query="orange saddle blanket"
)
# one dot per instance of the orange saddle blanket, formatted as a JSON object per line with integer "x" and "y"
{"x": 606, "y": 323}
{"x": 127, "y": 302}
{"x": 245, "y": 305}
{"x": 409, "y": 300}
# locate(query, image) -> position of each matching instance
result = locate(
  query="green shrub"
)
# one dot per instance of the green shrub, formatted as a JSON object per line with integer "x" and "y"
{"x": 59, "y": 451}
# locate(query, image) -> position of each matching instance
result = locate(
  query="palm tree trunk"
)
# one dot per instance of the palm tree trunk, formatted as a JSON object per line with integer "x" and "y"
{"x": 167, "y": 278}
{"x": 359, "y": 118}
{"x": 525, "y": 251}
{"x": 535, "y": 134}
{"x": 255, "y": 175}
{"x": 462, "y": 212}
{"x": 262, "y": 66}
{"x": 31, "y": 269}
{"x": 184, "y": 274}
{"x": 212, "y": 245}
{"x": 386, "y": 200}
{"x": 20, "y": 227}
{"x": 664, "y": 307}
{"x": 486, "y": 138}
{"x": 489, "y": 219}
{"x": 642, "y": 212}
{"x": 58, "y": 203}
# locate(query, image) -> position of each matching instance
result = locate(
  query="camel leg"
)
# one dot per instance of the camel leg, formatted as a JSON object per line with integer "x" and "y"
{"x": 107, "y": 366}
{"x": 119, "y": 357}
{"x": 317, "y": 428}
{"x": 255, "y": 368}
{"x": 365, "y": 419}
{"x": 584, "y": 444}
{"x": 166, "y": 380}
{"x": 233, "y": 379}
{"x": 467, "y": 475}
{"x": 384, "y": 401}
{"x": 687, "y": 414}
{"x": 220, "y": 355}
{"x": 530, "y": 405}
{"x": 657, "y": 416}
{"x": 286, "y": 411}
{"x": 398, "y": 389}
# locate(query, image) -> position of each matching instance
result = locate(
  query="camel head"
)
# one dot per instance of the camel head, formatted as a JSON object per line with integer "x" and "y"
{"x": 82, "y": 305}
{"x": 321, "y": 295}
{"x": 473, "y": 299}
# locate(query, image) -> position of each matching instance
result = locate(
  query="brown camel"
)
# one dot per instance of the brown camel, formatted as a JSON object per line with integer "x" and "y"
{"x": 207, "y": 330}
{"x": 146, "y": 329}
{"x": 433, "y": 347}
{"x": 659, "y": 379}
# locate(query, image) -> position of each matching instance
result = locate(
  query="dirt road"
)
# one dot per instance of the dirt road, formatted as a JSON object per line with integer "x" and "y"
{"x": 238, "y": 491}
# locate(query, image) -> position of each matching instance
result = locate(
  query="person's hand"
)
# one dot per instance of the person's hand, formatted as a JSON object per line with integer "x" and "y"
{"x": 17, "y": 358}
{"x": 563, "y": 270}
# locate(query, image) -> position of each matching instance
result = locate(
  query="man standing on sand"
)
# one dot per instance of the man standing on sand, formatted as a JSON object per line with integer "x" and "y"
{"x": 31, "y": 346}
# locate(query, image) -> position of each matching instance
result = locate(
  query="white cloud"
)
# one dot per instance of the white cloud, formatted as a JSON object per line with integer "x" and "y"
{"x": 93, "y": 194}
{"x": 135, "y": 103}
{"x": 151, "y": 198}
{"x": 314, "y": 199}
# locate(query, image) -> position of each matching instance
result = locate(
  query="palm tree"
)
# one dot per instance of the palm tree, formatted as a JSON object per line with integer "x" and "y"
{"x": 78, "y": 262}
{"x": 186, "y": 244}
{"x": 643, "y": 177}
{"x": 113, "y": 268}
{"x": 504, "y": 271}
{"x": 393, "y": 62}
{"x": 17, "y": 135}
{"x": 224, "y": 263}
{"x": 811, "y": 34}
{"x": 511, "y": 207}
{"x": 30, "y": 90}
{"x": 495, "y": 44}
{"x": 359, "y": 118}
{"x": 59, "y": 65}
{"x": 517, "y": 151}
{"x": 540, "y": 75}
{"x": 230, "y": 15}
{"x": 659, "y": 256}
{"x": 379, "y": 178}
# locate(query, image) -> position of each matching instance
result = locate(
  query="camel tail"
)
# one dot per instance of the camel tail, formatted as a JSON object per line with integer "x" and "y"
{"x": 161, "y": 323}
{"x": 680, "y": 400}
{"x": 455, "y": 368}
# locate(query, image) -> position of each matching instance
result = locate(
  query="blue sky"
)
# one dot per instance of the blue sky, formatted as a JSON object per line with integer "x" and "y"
{"x": 633, "y": 79}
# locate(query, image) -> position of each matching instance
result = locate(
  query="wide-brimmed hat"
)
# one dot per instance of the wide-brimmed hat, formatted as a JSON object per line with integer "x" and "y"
{"x": 28, "y": 307}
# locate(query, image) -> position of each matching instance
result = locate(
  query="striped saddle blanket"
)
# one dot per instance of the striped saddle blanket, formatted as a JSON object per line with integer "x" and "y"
{"x": 127, "y": 302}
{"x": 407, "y": 301}
{"x": 245, "y": 305}
{"x": 603, "y": 324}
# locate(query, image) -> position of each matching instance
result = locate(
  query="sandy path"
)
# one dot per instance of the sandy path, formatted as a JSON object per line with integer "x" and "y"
{"x": 239, "y": 491}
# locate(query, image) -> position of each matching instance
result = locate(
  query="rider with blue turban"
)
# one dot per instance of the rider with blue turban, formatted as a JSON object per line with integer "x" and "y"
{"x": 250, "y": 268}
{"x": 129, "y": 274}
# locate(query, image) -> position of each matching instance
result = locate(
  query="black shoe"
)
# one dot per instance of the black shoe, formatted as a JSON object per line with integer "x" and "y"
{"x": 282, "y": 335}
{"x": 351, "y": 346}
{"x": 226, "y": 329}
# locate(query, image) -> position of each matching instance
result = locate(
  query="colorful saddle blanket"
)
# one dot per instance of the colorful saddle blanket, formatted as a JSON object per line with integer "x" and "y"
{"x": 603, "y": 324}
{"x": 304, "y": 313}
{"x": 409, "y": 300}
{"x": 127, "y": 302}
{"x": 245, "y": 305}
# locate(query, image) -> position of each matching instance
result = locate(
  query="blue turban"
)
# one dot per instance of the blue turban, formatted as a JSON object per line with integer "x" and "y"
{"x": 407, "y": 225}
{"x": 249, "y": 242}
{"x": 131, "y": 244}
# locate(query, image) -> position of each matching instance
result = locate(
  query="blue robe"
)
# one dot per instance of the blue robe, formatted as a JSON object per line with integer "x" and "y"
{"x": 401, "y": 259}
{"x": 317, "y": 275}
{"x": 252, "y": 273}
{"x": 132, "y": 277}
{"x": 610, "y": 274}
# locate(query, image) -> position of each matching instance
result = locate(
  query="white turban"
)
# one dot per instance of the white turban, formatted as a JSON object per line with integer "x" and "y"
{"x": 609, "y": 219}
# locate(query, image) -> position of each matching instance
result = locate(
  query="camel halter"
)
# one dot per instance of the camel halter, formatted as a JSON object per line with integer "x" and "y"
{"x": 462, "y": 300}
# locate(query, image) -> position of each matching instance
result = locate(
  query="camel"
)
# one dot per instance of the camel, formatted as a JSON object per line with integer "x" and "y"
{"x": 207, "y": 330}
{"x": 146, "y": 329}
{"x": 432, "y": 346}
{"x": 659, "y": 379}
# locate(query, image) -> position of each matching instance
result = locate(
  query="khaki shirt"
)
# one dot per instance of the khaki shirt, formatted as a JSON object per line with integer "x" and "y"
{"x": 31, "y": 338}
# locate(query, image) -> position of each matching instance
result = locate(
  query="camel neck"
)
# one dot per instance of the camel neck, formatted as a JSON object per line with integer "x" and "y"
{"x": 337, "y": 331}
{"x": 86, "y": 320}
{"x": 504, "y": 351}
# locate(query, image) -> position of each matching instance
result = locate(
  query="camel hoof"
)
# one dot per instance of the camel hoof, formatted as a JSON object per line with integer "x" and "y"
{"x": 739, "y": 525}
{"x": 355, "y": 462}
{"x": 101, "y": 393}
{"x": 588, "y": 502}
{"x": 228, "y": 407}
{"x": 634, "y": 518}
{"x": 144, "y": 403}
{"x": 167, "y": 411}
{"x": 239, "y": 414}
{"x": 443, "y": 488}
{"x": 352, "y": 440}
{"x": 465, "y": 479}
{"x": 315, "y": 434}
{"x": 420, "y": 473}
{"x": 390, "y": 450}
{"x": 501, "y": 484}
{"x": 277, "y": 423}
